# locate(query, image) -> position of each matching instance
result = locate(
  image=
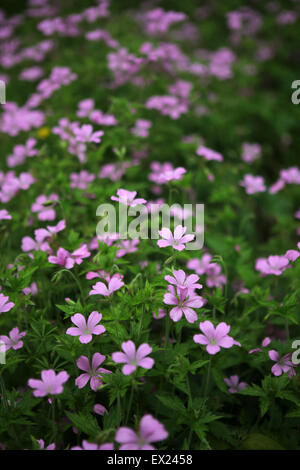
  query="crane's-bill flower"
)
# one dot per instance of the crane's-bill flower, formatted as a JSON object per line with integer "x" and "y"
{"x": 215, "y": 338}
{"x": 133, "y": 358}
{"x": 51, "y": 384}
{"x": 150, "y": 430}
{"x": 85, "y": 329}
{"x": 177, "y": 241}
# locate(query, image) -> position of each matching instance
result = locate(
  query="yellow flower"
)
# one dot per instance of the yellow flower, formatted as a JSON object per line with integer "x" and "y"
{"x": 43, "y": 132}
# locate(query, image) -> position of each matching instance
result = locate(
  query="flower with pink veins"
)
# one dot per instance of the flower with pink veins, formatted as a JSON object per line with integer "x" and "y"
{"x": 5, "y": 305}
{"x": 85, "y": 134}
{"x": 180, "y": 279}
{"x": 214, "y": 276}
{"x": 92, "y": 374}
{"x": 272, "y": 265}
{"x": 282, "y": 365}
{"x": 128, "y": 198}
{"x": 150, "y": 430}
{"x": 85, "y": 329}
{"x": 209, "y": 154}
{"x": 42, "y": 445}
{"x": 177, "y": 241}
{"x": 14, "y": 339}
{"x": 133, "y": 358}
{"x": 100, "y": 288}
{"x": 51, "y": 384}
{"x": 81, "y": 180}
{"x": 199, "y": 265}
{"x": 4, "y": 215}
{"x": 185, "y": 301}
{"x": 91, "y": 446}
{"x": 43, "y": 205}
{"x": 234, "y": 385}
{"x": 100, "y": 409}
{"x": 127, "y": 247}
{"x": 215, "y": 338}
{"x": 62, "y": 258}
{"x": 253, "y": 184}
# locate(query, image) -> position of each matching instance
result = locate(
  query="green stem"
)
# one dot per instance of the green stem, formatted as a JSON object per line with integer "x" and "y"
{"x": 130, "y": 401}
{"x": 167, "y": 333}
{"x": 207, "y": 379}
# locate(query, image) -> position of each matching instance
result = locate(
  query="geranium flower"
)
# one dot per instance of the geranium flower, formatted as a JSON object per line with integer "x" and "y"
{"x": 51, "y": 384}
{"x": 85, "y": 329}
{"x": 177, "y": 241}
{"x": 42, "y": 445}
{"x": 5, "y": 305}
{"x": 128, "y": 198}
{"x": 133, "y": 358}
{"x": 209, "y": 154}
{"x": 282, "y": 365}
{"x": 4, "y": 215}
{"x": 272, "y": 265}
{"x": 185, "y": 301}
{"x": 180, "y": 279}
{"x": 100, "y": 409}
{"x": 150, "y": 430}
{"x": 14, "y": 339}
{"x": 215, "y": 338}
{"x": 253, "y": 184}
{"x": 92, "y": 374}
{"x": 234, "y": 385}
{"x": 91, "y": 446}
{"x": 101, "y": 289}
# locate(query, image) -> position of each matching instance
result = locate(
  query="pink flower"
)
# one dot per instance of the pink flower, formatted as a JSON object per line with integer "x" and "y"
{"x": 127, "y": 198}
{"x": 253, "y": 184}
{"x": 209, "y": 154}
{"x": 81, "y": 180}
{"x": 133, "y": 358}
{"x": 100, "y": 409}
{"x": 101, "y": 289}
{"x": 85, "y": 134}
{"x": 85, "y": 329}
{"x": 44, "y": 207}
{"x": 214, "y": 276}
{"x": 91, "y": 373}
{"x": 272, "y": 265}
{"x": 161, "y": 314}
{"x": 234, "y": 385}
{"x": 62, "y": 258}
{"x": 42, "y": 445}
{"x": 215, "y": 338}
{"x": 185, "y": 300}
{"x": 91, "y": 446}
{"x": 14, "y": 339}
{"x": 250, "y": 152}
{"x": 5, "y": 305}
{"x": 4, "y": 215}
{"x": 150, "y": 430}
{"x": 265, "y": 342}
{"x": 282, "y": 365}
{"x": 66, "y": 259}
{"x": 141, "y": 127}
{"x": 162, "y": 173}
{"x": 127, "y": 247}
{"x": 199, "y": 266}
{"x": 180, "y": 279}
{"x": 51, "y": 384}
{"x": 177, "y": 241}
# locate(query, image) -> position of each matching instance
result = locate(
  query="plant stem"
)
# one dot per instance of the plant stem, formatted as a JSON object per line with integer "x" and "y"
{"x": 207, "y": 379}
